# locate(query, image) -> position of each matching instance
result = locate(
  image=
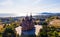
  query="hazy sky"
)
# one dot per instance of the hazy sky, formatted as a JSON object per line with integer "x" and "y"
{"x": 23, "y": 7}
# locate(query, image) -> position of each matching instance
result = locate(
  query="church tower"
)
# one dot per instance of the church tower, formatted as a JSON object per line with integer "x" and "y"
{"x": 28, "y": 23}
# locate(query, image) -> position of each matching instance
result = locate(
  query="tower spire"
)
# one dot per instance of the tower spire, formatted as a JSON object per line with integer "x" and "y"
{"x": 30, "y": 14}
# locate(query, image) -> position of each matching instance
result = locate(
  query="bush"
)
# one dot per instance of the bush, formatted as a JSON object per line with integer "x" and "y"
{"x": 9, "y": 33}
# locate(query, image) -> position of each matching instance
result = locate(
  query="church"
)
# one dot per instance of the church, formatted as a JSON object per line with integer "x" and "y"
{"x": 28, "y": 28}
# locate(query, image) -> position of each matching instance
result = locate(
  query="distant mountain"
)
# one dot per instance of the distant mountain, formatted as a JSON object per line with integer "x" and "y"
{"x": 46, "y": 13}
{"x": 49, "y": 13}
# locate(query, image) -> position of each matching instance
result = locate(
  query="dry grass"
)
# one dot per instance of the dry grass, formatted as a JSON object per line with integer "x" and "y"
{"x": 55, "y": 23}
{"x": 1, "y": 27}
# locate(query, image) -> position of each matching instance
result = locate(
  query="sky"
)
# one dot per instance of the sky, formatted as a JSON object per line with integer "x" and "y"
{"x": 23, "y": 7}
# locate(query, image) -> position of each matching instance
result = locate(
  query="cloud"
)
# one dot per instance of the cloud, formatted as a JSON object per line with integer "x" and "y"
{"x": 22, "y": 7}
{"x": 6, "y": 3}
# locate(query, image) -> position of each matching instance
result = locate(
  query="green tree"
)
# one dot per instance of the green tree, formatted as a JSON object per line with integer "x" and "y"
{"x": 9, "y": 32}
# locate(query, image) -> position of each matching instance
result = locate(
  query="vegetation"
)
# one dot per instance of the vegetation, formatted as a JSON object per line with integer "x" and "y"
{"x": 47, "y": 31}
{"x": 8, "y": 30}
